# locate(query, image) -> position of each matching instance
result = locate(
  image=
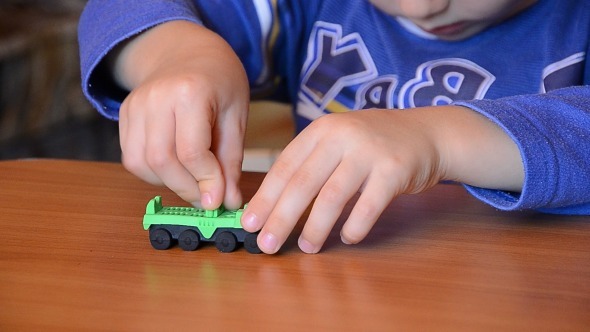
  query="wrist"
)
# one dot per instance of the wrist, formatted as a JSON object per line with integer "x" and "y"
{"x": 474, "y": 150}
{"x": 161, "y": 48}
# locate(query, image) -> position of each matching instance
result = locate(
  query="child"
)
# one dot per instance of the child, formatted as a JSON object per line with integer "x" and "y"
{"x": 495, "y": 96}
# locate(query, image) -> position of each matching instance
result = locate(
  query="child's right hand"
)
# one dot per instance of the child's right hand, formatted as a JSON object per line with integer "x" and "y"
{"x": 183, "y": 123}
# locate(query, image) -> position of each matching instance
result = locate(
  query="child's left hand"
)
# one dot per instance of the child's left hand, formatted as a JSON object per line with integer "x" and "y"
{"x": 381, "y": 154}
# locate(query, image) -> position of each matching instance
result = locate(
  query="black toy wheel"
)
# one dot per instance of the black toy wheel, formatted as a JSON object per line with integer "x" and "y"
{"x": 226, "y": 242}
{"x": 188, "y": 240}
{"x": 160, "y": 238}
{"x": 250, "y": 243}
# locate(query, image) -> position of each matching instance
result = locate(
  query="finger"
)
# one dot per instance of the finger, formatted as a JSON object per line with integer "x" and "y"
{"x": 193, "y": 149}
{"x": 132, "y": 140}
{"x": 162, "y": 158}
{"x": 342, "y": 185}
{"x": 228, "y": 144}
{"x": 378, "y": 192}
{"x": 302, "y": 187}
{"x": 275, "y": 181}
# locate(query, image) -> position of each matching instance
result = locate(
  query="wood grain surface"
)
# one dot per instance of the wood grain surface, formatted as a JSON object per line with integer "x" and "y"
{"x": 74, "y": 257}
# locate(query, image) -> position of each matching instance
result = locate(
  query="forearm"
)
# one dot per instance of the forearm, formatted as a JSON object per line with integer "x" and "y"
{"x": 473, "y": 150}
{"x": 551, "y": 131}
{"x": 169, "y": 45}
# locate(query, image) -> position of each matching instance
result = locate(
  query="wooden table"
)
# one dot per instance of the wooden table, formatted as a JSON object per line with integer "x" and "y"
{"x": 74, "y": 257}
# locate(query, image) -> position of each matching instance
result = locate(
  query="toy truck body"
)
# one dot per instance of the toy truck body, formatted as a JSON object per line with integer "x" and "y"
{"x": 190, "y": 226}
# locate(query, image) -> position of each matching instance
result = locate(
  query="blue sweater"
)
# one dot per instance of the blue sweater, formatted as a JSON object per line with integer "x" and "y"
{"x": 529, "y": 74}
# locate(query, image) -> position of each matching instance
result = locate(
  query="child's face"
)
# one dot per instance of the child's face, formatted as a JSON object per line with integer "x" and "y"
{"x": 453, "y": 19}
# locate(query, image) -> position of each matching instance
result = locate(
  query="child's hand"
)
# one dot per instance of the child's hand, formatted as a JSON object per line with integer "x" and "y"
{"x": 380, "y": 154}
{"x": 183, "y": 123}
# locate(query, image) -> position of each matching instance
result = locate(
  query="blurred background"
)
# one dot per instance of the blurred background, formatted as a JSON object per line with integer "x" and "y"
{"x": 43, "y": 113}
{"x": 42, "y": 110}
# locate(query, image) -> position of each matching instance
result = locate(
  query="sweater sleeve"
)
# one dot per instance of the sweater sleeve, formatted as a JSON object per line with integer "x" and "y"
{"x": 264, "y": 34}
{"x": 106, "y": 23}
{"x": 552, "y": 131}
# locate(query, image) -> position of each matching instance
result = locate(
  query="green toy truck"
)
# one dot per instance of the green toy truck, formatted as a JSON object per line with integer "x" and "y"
{"x": 190, "y": 226}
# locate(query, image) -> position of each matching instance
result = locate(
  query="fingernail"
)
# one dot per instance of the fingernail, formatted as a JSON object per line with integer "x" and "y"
{"x": 250, "y": 222}
{"x": 306, "y": 246}
{"x": 206, "y": 200}
{"x": 270, "y": 244}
